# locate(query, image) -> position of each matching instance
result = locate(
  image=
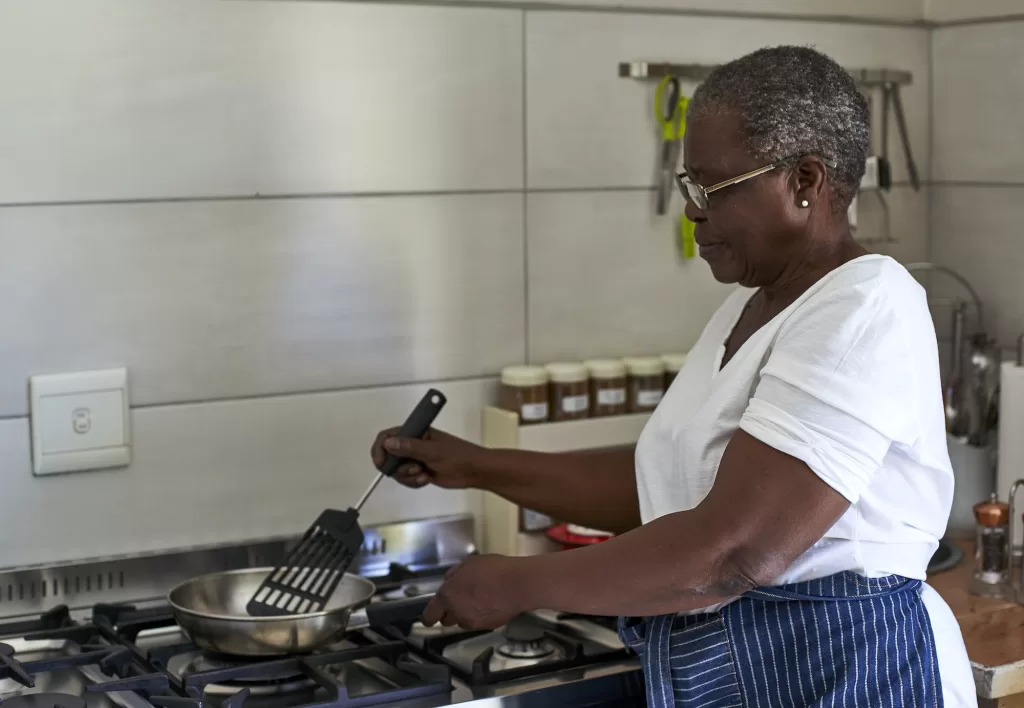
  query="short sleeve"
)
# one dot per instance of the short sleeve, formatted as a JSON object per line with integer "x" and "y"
{"x": 838, "y": 387}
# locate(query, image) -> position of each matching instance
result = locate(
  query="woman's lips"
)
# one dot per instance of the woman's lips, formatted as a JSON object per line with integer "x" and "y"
{"x": 709, "y": 249}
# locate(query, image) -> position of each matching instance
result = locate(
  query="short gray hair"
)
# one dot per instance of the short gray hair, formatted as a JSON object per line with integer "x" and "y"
{"x": 793, "y": 100}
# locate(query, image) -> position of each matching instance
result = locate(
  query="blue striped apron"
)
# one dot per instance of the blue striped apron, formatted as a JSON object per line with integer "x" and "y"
{"x": 843, "y": 641}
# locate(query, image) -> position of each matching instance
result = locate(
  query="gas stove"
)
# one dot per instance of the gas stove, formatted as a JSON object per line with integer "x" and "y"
{"x": 134, "y": 655}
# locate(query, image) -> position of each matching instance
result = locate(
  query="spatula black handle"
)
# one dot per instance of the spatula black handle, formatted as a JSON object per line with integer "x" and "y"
{"x": 416, "y": 426}
{"x": 381, "y": 614}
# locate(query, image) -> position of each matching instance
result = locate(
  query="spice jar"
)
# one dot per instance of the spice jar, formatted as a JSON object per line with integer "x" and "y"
{"x": 645, "y": 383}
{"x": 524, "y": 391}
{"x": 673, "y": 364}
{"x": 569, "y": 391}
{"x": 991, "y": 557}
{"x": 607, "y": 387}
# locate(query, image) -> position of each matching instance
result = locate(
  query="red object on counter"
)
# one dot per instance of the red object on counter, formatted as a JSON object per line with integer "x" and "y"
{"x": 562, "y": 535}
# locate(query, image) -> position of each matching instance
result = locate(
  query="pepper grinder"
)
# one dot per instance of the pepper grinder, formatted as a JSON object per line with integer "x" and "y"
{"x": 991, "y": 548}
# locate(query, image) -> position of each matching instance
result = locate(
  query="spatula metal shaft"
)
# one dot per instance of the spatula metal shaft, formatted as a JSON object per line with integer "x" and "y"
{"x": 369, "y": 491}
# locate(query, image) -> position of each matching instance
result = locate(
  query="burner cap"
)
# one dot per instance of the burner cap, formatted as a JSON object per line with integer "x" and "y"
{"x": 6, "y": 650}
{"x": 525, "y": 641}
{"x": 522, "y": 633}
{"x": 45, "y": 700}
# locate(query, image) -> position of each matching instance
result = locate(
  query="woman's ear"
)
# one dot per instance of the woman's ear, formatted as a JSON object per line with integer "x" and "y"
{"x": 809, "y": 180}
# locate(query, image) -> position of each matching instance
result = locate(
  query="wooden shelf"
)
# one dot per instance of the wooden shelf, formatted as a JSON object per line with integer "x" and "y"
{"x": 501, "y": 429}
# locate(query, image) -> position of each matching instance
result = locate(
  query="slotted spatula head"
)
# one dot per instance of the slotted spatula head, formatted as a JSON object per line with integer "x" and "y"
{"x": 307, "y": 578}
{"x": 309, "y": 575}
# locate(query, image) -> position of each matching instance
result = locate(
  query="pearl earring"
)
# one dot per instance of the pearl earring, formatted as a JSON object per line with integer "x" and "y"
{"x": 805, "y": 203}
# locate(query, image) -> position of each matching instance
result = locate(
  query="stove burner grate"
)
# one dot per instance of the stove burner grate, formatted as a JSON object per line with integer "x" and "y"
{"x": 45, "y": 700}
{"x": 554, "y": 651}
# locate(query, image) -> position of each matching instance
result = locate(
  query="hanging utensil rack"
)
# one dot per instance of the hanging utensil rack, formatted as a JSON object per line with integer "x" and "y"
{"x": 867, "y": 78}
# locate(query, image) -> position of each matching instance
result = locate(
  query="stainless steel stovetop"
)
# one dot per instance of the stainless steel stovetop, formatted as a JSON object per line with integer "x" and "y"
{"x": 135, "y": 656}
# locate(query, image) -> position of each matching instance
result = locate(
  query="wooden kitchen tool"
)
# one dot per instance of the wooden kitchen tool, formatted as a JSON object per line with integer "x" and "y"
{"x": 307, "y": 578}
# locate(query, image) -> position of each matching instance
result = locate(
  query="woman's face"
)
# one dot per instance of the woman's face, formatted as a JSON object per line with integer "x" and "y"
{"x": 748, "y": 233}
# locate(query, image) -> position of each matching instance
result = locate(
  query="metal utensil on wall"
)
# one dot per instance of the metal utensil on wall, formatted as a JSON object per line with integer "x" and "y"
{"x": 891, "y": 93}
{"x": 957, "y": 403}
{"x": 670, "y": 110}
{"x": 983, "y": 386}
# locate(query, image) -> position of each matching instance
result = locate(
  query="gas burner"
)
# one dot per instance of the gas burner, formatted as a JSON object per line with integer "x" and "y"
{"x": 45, "y": 700}
{"x": 277, "y": 679}
{"x": 525, "y": 642}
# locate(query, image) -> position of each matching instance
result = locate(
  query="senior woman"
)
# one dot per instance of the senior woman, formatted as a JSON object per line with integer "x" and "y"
{"x": 778, "y": 514}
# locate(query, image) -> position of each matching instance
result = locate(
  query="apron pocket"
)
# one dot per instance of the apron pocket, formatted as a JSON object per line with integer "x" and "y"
{"x": 701, "y": 664}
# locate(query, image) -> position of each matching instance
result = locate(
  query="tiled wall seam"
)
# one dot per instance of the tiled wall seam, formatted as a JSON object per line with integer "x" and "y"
{"x": 922, "y": 22}
{"x": 661, "y": 10}
{"x": 363, "y": 195}
{"x": 972, "y": 21}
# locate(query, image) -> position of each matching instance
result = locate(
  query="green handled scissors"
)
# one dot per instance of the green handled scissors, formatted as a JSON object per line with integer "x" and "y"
{"x": 670, "y": 110}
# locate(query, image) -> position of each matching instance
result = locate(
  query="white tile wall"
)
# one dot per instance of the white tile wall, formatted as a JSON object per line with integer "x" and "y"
{"x": 115, "y": 99}
{"x": 953, "y": 10}
{"x": 587, "y": 127}
{"x": 978, "y": 101}
{"x": 206, "y": 300}
{"x": 225, "y": 472}
{"x": 977, "y": 231}
{"x": 239, "y": 299}
{"x": 605, "y": 278}
{"x": 905, "y": 223}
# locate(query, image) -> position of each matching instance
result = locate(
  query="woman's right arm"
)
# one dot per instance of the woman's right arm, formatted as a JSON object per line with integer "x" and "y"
{"x": 593, "y": 488}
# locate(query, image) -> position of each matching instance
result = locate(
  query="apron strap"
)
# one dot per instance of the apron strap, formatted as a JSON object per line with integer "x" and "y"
{"x": 657, "y": 668}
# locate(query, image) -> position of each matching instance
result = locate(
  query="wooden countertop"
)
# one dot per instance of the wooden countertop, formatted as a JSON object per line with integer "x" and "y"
{"x": 993, "y": 630}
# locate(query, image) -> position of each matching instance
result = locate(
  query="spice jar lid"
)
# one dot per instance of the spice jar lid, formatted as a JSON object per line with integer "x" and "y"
{"x": 524, "y": 376}
{"x": 566, "y": 372}
{"x": 644, "y": 366}
{"x": 606, "y": 368}
{"x": 992, "y": 512}
{"x": 673, "y": 362}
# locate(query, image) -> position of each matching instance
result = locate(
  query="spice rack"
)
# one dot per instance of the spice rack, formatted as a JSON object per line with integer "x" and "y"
{"x": 501, "y": 429}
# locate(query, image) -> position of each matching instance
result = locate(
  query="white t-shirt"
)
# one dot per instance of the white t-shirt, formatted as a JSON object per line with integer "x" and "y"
{"x": 845, "y": 379}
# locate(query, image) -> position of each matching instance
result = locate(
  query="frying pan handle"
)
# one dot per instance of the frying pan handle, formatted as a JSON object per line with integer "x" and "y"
{"x": 381, "y": 614}
{"x": 416, "y": 426}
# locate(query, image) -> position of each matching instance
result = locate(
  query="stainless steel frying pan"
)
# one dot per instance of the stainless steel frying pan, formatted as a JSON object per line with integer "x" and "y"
{"x": 211, "y": 610}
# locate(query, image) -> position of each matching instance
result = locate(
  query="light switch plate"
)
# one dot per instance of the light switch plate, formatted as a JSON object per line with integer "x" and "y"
{"x": 80, "y": 421}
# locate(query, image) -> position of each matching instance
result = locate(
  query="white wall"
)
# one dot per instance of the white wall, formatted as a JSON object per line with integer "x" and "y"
{"x": 979, "y": 164}
{"x": 288, "y": 218}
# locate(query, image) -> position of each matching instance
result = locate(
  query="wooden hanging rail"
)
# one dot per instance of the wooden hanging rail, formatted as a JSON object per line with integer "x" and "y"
{"x": 698, "y": 72}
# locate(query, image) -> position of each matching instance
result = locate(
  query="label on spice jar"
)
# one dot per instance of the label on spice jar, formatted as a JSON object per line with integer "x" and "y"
{"x": 534, "y": 411}
{"x": 611, "y": 397}
{"x": 648, "y": 399}
{"x": 575, "y": 404}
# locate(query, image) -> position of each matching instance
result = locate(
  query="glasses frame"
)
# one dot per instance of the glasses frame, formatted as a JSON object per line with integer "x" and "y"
{"x": 701, "y": 193}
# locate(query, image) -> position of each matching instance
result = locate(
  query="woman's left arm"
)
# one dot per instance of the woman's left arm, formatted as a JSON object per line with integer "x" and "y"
{"x": 764, "y": 510}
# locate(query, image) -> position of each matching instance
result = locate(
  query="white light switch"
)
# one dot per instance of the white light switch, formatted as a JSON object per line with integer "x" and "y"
{"x": 80, "y": 421}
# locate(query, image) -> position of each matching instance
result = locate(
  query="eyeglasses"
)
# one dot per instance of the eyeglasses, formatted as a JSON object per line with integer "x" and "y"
{"x": 698, "y": 194}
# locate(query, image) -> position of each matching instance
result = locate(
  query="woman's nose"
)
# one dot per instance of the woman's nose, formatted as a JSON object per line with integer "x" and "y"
{"x": 693, "y": 213}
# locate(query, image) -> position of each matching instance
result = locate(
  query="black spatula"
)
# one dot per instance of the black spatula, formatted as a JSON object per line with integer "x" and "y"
{"x": 307, "y": 578}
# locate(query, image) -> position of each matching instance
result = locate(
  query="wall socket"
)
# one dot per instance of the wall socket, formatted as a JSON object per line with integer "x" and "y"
{"x": 80, "y": 421}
